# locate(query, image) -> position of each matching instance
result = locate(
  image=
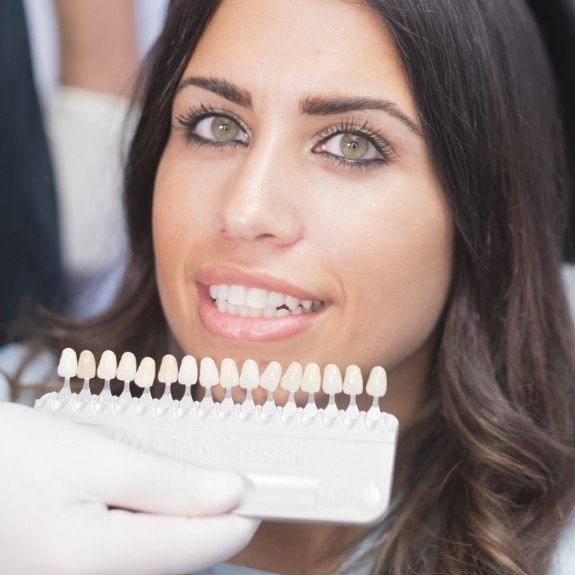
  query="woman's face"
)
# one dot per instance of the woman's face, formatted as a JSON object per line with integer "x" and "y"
{"x": 296, "y": 176}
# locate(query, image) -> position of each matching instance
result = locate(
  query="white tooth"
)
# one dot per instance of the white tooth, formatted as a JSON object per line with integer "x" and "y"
{"x": 353, "y": 380}
{"x": 229, "y": 376}
{"x": 332, "y": 383}
{"x": 255, "y": 312}
{"x": 297, "y": 311}
{"x": 208, "y": 372}
{"x": 306, "y": 304}
{"x": 377, "y": 382}
{"x": 270, "y": 378}
{"x": 291, "y": 379}
{"x": 86, "y": 365}
{"x": 282, "y": 312}
{"x": 127, "y": 367}
{"x": 213, "y": 291}
{"x": 269, "y": 311}
{"x": 292, "y": 302}
{"x": 311, "y": 381}
{"x": 223, "y": 291}
{"x": 107, "y": 366}
{"x": 237, "y": 295}
{"x": 243, "y": 311}
{"x": 276, "y": 299}
{"x": 146, "y": 373}
{"x": 257, "y": 297}
{"x": 168, "y": 373}
{"x": 231, "y": 309}
{"x": 188, "y": 374}
{"x": 222, "y": 305}
{"x": 250, "y": 376}
{"x": 68, "y": 365}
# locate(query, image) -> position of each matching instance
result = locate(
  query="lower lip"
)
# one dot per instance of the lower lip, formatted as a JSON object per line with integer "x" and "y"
{"x": 252, "y": 329}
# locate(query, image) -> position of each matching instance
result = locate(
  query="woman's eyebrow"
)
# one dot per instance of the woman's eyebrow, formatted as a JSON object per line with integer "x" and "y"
{"x": 313, "y": 106}
{"x": 221, "y": 87}
{"x": 316, "y": 106}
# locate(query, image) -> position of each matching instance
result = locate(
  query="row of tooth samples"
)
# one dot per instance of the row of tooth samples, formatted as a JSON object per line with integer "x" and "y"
{"x": 296, "y": 377}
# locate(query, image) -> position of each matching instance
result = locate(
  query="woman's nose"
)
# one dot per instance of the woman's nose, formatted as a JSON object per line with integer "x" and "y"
{"x": 259, "y": 200}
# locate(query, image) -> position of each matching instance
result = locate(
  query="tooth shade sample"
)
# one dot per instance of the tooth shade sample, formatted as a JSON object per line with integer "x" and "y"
{"x": 146, "y": 373}
{"x": 377, "y": 382}
{"x": 208, "y": 372}
{"x": 168, "y": 373}
{"x": 353, "y": 380}
{"x": 107, "y": 366}
{"x": 270, "y": 378}
{"x": 332, "y": 383}
{"x": 250, "y": 375}
{"x": 68, "y": 365}
{"x": 127, "y": 367}
{"x": 311, "y": 382}
{"x": 188, "y": 374}
{"x": 86, "y": 365}
{"x": 291, "y": 380}
{"x": 229, "y": 376}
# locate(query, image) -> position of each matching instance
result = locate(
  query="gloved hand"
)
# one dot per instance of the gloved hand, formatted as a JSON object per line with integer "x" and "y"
{"x": 75, "y": 502}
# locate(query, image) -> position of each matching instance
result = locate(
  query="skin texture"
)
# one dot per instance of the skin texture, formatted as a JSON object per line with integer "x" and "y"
{"x": 276, "y": 208}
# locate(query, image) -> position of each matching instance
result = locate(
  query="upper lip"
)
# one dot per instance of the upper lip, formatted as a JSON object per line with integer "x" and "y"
{"x": 231, "y": 275}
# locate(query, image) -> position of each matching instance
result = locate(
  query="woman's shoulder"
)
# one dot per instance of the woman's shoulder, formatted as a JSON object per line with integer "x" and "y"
{"x": 15, "y": 361}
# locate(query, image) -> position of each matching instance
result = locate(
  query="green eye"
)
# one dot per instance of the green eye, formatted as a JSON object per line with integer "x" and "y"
{"x": 224, "y": 129}
{"x": 353, "y": 147}
{"x": 215, "y": 129}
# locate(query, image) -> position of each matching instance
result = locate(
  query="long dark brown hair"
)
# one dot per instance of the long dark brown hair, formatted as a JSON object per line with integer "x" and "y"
{"x": 488, "y": 469}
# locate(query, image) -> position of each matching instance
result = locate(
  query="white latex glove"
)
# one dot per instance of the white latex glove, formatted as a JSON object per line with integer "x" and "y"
{"x": 65, "y": 492}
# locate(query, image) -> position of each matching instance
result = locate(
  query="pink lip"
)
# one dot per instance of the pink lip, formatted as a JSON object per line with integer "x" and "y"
{"x": 250, "y": 329}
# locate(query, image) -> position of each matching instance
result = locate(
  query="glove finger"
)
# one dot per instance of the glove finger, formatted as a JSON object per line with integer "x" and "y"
{"x": 138, "y": 481}
{"x": 91, "y": 467}
{"x": 141, "y": 544}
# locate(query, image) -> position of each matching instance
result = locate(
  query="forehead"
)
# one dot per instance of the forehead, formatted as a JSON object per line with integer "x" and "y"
{"x": 290, "y": 47}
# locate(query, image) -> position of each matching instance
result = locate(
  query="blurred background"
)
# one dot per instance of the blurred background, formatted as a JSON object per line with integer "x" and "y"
{"x": 68, "y": 69}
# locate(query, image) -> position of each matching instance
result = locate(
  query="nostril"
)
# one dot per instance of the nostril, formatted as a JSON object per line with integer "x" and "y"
{"x": 264, "y": 237}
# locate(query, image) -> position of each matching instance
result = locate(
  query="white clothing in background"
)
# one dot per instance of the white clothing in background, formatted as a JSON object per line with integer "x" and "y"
{"x": 87, "y": 134}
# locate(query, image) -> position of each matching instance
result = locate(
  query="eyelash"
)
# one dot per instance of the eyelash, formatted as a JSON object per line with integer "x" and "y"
{"x": 355, "y": 129}
{"x": 189, "y": 121}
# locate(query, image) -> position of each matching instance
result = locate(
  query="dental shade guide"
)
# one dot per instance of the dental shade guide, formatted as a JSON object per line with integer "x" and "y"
{"x": 67, "y": 368}
{"x": 311, "y": 463}
{"x": 126, "y": 373}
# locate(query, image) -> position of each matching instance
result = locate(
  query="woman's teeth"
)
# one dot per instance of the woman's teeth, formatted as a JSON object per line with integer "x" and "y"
{"x": 256, "y": 302}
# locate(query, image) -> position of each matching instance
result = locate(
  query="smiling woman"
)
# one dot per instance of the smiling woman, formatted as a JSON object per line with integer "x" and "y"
{"x": 304, "y": 186}
{"x": 369, "y": 183}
